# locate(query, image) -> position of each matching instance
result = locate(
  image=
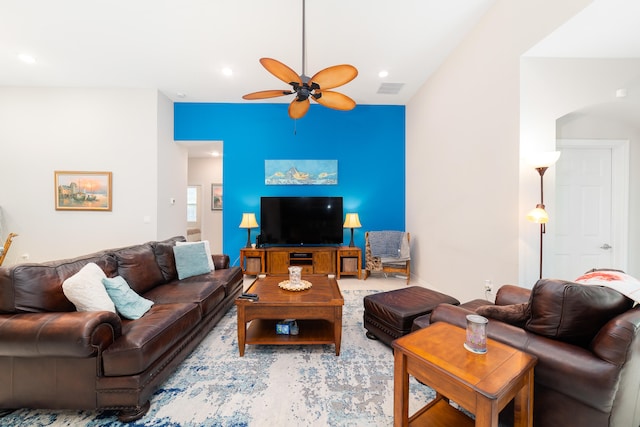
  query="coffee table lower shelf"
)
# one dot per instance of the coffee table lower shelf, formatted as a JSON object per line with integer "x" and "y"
{"x": 439, "y": 413}
{"x": 311, "y": 331}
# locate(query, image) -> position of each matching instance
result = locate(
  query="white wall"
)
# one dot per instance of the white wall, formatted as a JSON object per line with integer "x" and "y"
{"x": 463, "y": 152}
{"x": 172, "y": 176}
{"x": 204, "y": 172}
{"x": 43, "y": 130}
{"x": 551, "y": 89}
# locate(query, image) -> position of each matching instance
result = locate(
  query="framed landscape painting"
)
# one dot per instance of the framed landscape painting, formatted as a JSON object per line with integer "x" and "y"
{"x": 301, "y": 172}
{"x": 82, "y": 191}
{"x": 216, "y": 197}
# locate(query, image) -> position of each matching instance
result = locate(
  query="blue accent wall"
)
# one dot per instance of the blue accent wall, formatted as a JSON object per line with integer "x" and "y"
{"x": 368, "y": 142}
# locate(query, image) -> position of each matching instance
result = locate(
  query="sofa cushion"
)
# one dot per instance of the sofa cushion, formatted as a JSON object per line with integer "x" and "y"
{"x": 145, "y": 340}
{"x": 230, "y": 278}
{"x": 138, "y": 266}
{"x": 85, "y": 290}
{"x": 191, "y": 260}
{"x": 572, "y": 312}
{"x": 129, "y": 304}
{"x": 69, "y": 267}
{"x": 201, "y": 290}
{"x": 166, "y": 260}
{"x": 36, "y": 288}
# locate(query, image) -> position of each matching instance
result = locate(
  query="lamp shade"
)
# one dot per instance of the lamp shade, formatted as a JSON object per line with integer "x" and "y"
{"x": 543, "y": 159}
{"x": 538, "y": 215}
{"x": 352, "y": 221}
{"x": 248, "y": 220}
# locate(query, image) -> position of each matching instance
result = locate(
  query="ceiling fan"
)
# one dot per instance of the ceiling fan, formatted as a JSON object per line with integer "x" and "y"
{"x": 304, "y": 87}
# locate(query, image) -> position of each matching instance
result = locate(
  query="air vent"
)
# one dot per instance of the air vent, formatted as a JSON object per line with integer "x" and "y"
{"x": 390, "y": 88}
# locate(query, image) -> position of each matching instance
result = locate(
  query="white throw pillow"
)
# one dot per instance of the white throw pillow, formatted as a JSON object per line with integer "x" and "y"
{"x": 85, "y": 290}
{"x": 206, "y": 248}
{"x": 627, "y": 285}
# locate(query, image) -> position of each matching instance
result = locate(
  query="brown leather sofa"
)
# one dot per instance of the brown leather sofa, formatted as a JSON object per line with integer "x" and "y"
{"x": 54, "y": 357}
{"x": 588, "y": 374}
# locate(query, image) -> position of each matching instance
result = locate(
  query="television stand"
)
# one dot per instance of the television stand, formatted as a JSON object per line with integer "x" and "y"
{"x": 313, "y": 260}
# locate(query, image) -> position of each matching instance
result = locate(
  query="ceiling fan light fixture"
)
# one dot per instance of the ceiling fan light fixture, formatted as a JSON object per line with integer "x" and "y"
{"x": 316, "y": 88}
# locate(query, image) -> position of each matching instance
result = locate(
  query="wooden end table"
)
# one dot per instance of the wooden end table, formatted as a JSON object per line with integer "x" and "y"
{"x": 254, "y": 259}
{"x": 349, "y": 261}
{"x": 483, "y": 384}
{"x": 318, "y": 312}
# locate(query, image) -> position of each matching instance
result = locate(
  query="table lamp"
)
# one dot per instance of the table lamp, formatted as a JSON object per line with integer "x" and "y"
{"x": 352, "y": 221}
{"x": 248, "y": 222}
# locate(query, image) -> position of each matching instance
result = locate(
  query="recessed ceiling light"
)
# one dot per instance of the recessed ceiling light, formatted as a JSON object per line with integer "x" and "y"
{"x": 27, "y": 58}
{"x": 227, "y": 71}
{"x": 181, "y": 94}
{"x": 382, "y": 74}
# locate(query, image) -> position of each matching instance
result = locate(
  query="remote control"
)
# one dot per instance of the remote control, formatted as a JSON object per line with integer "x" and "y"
{"x": 252, "y": 298}
{"x": 250, "y": 295}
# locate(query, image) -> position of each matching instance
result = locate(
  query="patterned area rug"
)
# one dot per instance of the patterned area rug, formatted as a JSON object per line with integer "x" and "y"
{"x": 270, "y": 386}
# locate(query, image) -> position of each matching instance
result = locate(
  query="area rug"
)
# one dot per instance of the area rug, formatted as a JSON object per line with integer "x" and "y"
{"x": 270, "y": 386}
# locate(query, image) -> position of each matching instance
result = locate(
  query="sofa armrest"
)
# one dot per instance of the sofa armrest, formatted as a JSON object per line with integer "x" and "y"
{"x": 614, "y": 342}
{"x": 511, "y": 294}
{"x": 455, "y": 315}
{"x": 221, "y": 261}
{"x": 62, "y": 334}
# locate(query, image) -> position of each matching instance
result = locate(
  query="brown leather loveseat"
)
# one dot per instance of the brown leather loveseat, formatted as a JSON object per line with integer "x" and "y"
{"x": 586, "y": 338}
{"x": 54, "y": 357}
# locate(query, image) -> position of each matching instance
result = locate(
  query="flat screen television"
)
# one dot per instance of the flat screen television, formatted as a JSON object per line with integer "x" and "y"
{"x": 298, "y": 221}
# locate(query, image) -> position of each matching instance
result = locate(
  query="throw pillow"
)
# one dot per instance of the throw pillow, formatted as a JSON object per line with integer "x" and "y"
{"x": 207, "y": 248}
{"x": 513, "y": 314}
{"x": 129, "y": 304}
{"x": 84, "y": 289}
{"x": 614, "y": 279}
{"x": 572, "y": 312}
{"x": 191, "y": 260}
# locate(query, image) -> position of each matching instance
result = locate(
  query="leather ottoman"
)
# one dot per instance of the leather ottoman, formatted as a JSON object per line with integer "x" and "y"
{"x": 389, "y": 315}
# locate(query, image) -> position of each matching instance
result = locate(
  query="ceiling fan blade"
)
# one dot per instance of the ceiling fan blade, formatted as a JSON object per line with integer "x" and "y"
{"x": 335, "y": 100}
{"x": 335, "y": 76}
{"x": 297, "y": 109}
{"x": 280, "y": 70}
{"x": 267, "y": 94}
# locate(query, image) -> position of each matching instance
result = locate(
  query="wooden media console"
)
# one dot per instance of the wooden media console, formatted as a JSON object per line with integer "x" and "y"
{"x": 313, "y": 260}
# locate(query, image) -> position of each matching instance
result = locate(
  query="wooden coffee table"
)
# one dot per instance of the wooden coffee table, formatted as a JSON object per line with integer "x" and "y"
{"x": 318, "y": 312}
{"x": 483, "y": 384}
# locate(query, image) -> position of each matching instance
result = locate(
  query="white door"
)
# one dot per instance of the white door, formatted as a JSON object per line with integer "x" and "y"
{"x": 588, "y": 213}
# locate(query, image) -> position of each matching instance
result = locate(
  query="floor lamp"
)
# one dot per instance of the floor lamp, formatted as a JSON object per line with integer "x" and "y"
{"x": 541, "y": 162}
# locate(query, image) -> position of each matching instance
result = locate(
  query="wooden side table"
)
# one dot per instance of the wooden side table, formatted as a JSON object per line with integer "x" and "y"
{"x": 254, "y": 260}
{"x": 349, "y": 261}
{"x": 483, "y": 384}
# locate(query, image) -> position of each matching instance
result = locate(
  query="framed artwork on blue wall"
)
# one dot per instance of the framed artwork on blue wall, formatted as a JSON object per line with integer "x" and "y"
{"x": 301, "y": 172}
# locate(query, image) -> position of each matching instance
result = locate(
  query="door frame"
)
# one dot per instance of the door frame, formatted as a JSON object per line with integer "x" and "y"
{"x": 619, "y": 191}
